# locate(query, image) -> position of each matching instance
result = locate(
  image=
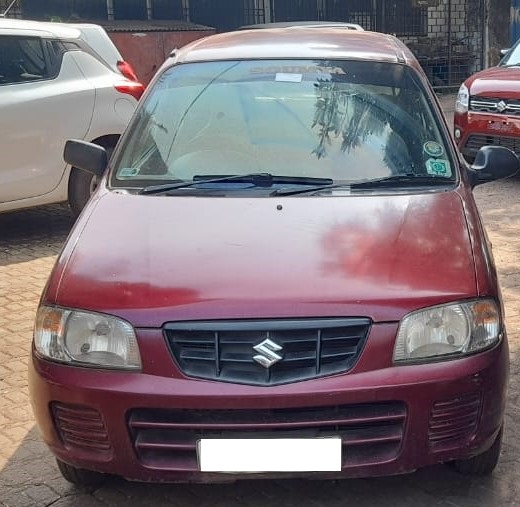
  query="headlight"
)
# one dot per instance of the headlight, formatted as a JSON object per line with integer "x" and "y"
{"x": 448, "y": 330}
{"x": 462, "y": 103}
{"x": 85, "y": 339}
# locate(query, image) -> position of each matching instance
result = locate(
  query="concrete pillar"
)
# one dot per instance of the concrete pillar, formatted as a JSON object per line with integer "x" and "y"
{"x": 110, "y": 10}
{"x": 186, "y": 9}
{"x": 498, "y": 21}
{"x": 267, "y": 10}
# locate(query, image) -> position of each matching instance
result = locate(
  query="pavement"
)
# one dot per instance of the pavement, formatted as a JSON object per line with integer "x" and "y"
{"x": 29, "y": 243}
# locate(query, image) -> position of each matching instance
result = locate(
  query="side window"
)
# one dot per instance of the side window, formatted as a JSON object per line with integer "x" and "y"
{"x": 22, "y": 59}
{"x": 55, "y": 52}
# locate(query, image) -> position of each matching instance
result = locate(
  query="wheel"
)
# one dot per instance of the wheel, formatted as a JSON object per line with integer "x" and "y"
{"x": 484, "y": 463}
{"x": 79, "y": 477}
{"x": 82, "y": 185}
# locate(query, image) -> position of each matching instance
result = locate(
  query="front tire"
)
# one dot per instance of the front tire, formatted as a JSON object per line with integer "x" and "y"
{"x": 484, "y": 463}
{"x": 82, "y": 184}
{"x": 79, "y": 477}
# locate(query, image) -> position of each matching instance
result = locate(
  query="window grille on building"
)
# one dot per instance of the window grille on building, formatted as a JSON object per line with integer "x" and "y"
{"x": 64, "y": 10}
{"x": 447, "y": 36}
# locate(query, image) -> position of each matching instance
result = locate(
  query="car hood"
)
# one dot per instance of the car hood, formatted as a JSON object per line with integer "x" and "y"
{"x": 152, "y": 259}
{"x": 496, "y": 82}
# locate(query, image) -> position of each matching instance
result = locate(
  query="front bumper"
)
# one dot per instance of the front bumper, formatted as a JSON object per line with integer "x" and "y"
{"x": 392, "y": 419}
{"x": 486, "y": 129}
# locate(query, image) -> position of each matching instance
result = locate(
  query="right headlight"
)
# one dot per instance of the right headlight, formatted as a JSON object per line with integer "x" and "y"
{"x": 462, "y": 102}
{"x": 81, "y": 338}
{"x": 451, "y": 330}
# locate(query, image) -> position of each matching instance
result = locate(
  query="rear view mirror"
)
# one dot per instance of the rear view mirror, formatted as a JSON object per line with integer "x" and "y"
{"x": 493, "y": 163}
{"x": 86, "y": 156}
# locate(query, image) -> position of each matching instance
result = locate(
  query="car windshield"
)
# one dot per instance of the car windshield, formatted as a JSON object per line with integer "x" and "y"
{"x": 342, "y": 121}
{"x": 512, "y": 58}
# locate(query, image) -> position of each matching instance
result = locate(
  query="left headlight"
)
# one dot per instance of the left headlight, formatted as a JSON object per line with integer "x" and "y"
{"x": 85, "y": 339}
{"x": 448, "y": 331}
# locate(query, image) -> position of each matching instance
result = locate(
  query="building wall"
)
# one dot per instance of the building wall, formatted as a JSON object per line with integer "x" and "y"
{"x": 453, "y": 38}
{"x": 146, "y": 51}
{"x": 454, "y": 45}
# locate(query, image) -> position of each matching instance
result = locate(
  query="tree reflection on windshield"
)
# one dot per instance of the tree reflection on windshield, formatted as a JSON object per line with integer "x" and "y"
{"x": 346, "y": 113}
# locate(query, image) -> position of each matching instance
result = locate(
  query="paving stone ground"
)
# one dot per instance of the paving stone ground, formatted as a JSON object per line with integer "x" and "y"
{"x": 29, "y": 243}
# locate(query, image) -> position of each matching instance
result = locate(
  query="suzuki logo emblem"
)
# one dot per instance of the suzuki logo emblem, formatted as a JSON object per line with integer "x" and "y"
{"x": 501, "y": 106}
{"x": 267, "y": 353}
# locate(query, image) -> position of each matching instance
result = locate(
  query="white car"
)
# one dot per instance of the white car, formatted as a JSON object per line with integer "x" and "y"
{"x": 57, "y": 81}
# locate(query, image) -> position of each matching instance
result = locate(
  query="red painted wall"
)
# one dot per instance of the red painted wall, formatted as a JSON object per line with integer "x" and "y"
{"x": 146, "y": 51}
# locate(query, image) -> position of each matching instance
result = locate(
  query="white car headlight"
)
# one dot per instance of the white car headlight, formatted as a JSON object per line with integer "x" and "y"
{"x": 85, "y": 339}
{"x": 462, "y": 103}
{"x": 446, "y": 331}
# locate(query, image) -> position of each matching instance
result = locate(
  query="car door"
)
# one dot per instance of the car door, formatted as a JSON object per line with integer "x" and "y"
{"x": 44, "y": 100}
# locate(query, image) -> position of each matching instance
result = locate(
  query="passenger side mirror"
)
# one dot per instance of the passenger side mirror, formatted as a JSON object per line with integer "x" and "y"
{"x": 504, "y": 52}
{"x": 493, "y": 163}
{"x": 86, "y": 156}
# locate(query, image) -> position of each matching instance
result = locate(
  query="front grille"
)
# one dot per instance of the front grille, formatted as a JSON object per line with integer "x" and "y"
{"x": 167, "y": 439}
{"x": 509, "y": 107}
{"x": 453, "y": 422}
{"x": 476, "y": 141}
{"x": 81, "y": 428}
{"x": 298, "y": 349}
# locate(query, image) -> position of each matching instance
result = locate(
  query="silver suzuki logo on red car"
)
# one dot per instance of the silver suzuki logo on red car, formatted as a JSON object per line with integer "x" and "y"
{"x": 267, "y": 353}
{"x": 501, "y": 106}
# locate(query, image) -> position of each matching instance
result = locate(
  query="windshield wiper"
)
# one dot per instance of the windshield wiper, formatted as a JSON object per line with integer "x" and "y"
{"x": 286, "y": 191}
{"x": 256, "y": 179}
{"x": 403, "y": 180}
{"x": 396, "y": 180}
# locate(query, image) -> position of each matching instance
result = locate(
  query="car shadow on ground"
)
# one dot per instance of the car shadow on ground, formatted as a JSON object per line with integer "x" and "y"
{"x": 434, "y": 486}
{"x": 34, "y": 233}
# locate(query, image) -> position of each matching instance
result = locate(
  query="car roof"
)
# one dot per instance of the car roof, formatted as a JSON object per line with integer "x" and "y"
{"x": 307, "y": 24}
{"x": 304, "y": 43}
{"x": 97, "y": 38}
{"x": 38, "y": 28}
{"x": 94, "y": 35}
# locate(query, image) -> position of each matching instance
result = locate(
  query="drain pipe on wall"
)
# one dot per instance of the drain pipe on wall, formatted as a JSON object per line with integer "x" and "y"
{"x": 485, "y": 56}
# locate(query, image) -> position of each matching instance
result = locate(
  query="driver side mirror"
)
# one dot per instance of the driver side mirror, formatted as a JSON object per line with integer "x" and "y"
{"x": 493, "y": 163}
{"x": 86, "y": 156}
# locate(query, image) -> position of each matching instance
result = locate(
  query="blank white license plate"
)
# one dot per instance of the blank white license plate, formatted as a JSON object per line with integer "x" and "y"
{"x": 270, "y": 455}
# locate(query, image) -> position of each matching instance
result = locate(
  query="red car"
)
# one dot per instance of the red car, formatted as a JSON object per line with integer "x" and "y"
{"x": 282, "y": 273}
{"x": 487, "y": 111}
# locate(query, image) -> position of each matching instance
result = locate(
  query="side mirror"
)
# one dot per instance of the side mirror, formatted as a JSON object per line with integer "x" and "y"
{"x": 504, "y": 52}
{"x": 86, "y": 156}
{"x": 493, "y": 163}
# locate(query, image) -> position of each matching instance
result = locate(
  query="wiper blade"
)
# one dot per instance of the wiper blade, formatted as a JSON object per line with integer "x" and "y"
{"x": 403, "y": 179}
{"x": 257, "y": 179}
{"x": 407, "y": 179}
{"x": 287, "y": 191}
{"x": 266, "y": 179}
{"x": 168, "y": 187}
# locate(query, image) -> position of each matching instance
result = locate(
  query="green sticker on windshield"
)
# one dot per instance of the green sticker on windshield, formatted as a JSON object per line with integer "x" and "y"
{"x": 128, "y": 172}
{"x": 438, "y": 167}
{"x": 433, "y": 149}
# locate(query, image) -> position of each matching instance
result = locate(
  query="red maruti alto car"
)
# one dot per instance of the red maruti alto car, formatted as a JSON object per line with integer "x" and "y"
{"x": 487, "y": 109}
{"x": 282, "y": 273}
